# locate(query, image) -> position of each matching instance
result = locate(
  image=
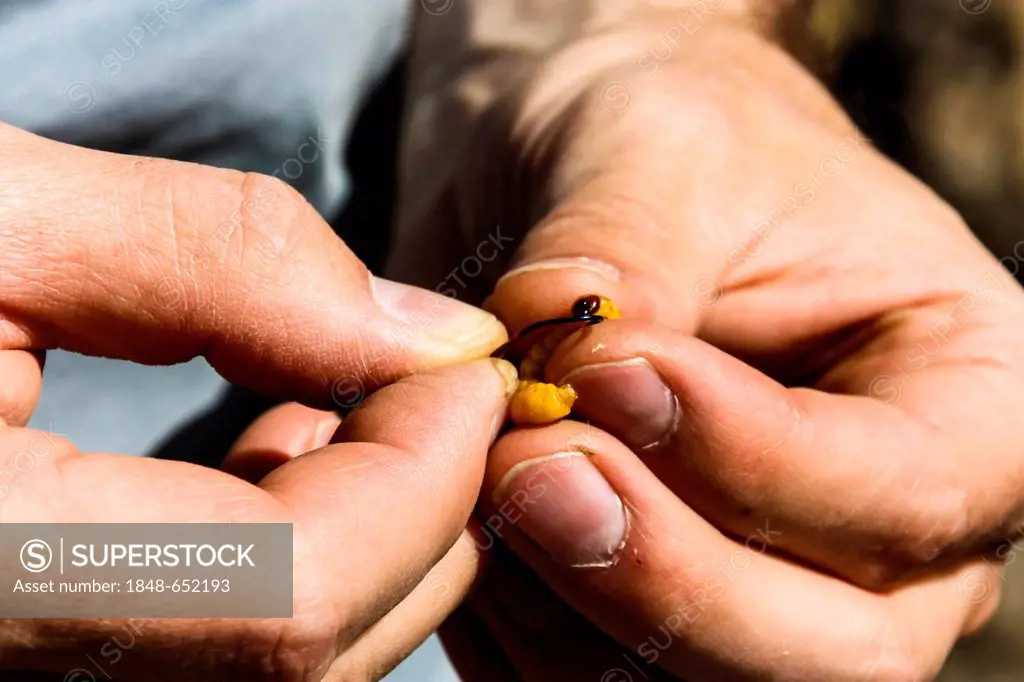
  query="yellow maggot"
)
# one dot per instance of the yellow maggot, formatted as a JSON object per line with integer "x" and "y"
{"x": 537, "y": 403}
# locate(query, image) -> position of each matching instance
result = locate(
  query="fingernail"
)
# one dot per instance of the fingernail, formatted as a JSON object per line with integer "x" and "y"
{"x": 511, "y": 378}
{"x": 508, "y": 374}
{"x": 601, "y": 268}
{"x": 439, "y": 316}
{"x": 325, "y": 431}
{"x": 567, "y": 507}
{"x": 628, "y": 399}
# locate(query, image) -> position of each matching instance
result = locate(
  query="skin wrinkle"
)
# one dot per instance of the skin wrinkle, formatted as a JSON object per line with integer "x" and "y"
{"x": 237, "y": 219}
{"x": 185, "y": 265}
{"x": 949, "y": 527}
{"x": 946, "y": 357}
{"x": 253, "y": 202}
{"x": 936, "y": 519}
{"x": 773, "y": 446}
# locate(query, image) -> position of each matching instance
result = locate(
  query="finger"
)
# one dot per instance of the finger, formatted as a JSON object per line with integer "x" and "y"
{"x": 22, "y": 373}
{"x": 45, "y": 479}
{"x": 618, "y": 225}
{"x": 650, "y": 221}
{"x": 404, "y": 473}
{"x": 392, "y": 639}
{"x": 278, "y": 436}
{"x": 740, "y": 448}
{"x": 379, "y": 509}
{"x": 158, "y": 261}
{"x": 473, "y": 651}
{"x": 541, "y": 635}
{"x": 611, "y": 539}
{"x": 616, "y": 237}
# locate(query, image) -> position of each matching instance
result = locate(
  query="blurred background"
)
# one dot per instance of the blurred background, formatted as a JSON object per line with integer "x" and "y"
{"x": 937, "y": 84}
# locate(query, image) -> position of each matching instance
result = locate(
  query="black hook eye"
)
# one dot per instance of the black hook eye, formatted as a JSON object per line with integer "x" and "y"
{"x": 586, "y": 306}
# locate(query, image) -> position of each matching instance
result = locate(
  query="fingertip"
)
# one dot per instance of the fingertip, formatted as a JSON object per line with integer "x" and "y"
{"x": 508, "y": 374}
{"x": 22, "y": 385}
{"x": 562, "y": 499}
{"x": 546, "y": 289}
{"x": 437, "y": 329}
{"x": 278, "y": 436}
{"x": 465, "y": 404}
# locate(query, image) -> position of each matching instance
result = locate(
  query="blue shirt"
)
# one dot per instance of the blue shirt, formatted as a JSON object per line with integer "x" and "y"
{"x": 233, "y": 83}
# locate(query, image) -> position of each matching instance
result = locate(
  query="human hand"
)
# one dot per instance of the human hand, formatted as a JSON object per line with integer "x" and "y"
{"x": 811, "y": 379}
{"x": 158, "y": 262}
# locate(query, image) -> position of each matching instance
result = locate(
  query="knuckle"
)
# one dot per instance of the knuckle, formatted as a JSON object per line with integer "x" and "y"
{"x": 898, "y": 660}
{"x": 939, "y": 526}
{"x": 14, "y": 440}
{"x": 300, "y": 651}
{"x": 268, "y": 212}
{"x": 258, "y": 187}
{"x": 934, "y": 529}
{"x": 902, "y": 670}
{"x": 259, "y": 231}
{"x": 925, "y": 515}
{"x": 879, "y": 573}
{"x": 273, "y": 225}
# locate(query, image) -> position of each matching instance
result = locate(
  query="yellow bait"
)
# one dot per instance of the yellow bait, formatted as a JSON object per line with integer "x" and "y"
{"x": 607, "y": 309}
{"x": 535, "y": 402}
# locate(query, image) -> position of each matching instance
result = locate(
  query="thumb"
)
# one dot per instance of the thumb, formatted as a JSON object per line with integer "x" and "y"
{"x": 622, "y": 224}
{"x": 157, "y": 262}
